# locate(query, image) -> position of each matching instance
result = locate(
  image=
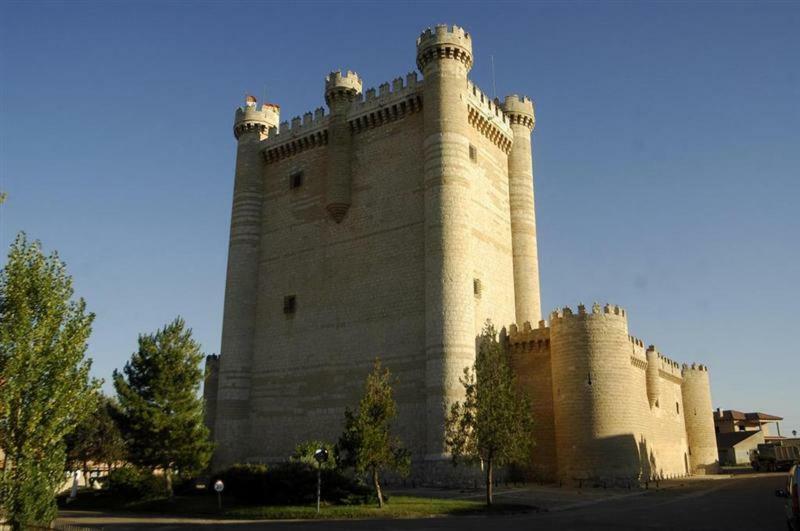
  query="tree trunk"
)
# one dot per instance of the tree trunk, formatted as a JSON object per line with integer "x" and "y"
{"x": 489, "y": 481}
{"x": 168, "y": 480}
{"x": 377, "y": 485}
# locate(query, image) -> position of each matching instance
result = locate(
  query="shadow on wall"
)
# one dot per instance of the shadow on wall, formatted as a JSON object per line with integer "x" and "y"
{"x": 619, "y": 460}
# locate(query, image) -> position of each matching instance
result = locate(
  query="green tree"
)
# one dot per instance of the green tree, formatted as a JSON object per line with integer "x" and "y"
{"x": 304, "y": 453}
{"x": 96, "y": 440}
{"x": 367, "y": 443}
{"x": 494, "y": 424}
{"x": 45, "y": 388}
{"x": 160, "y": 411}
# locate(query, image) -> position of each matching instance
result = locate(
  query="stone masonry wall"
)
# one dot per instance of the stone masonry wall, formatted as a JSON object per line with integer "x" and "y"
{"x": 598, "y": 416}
{"x": 359, "y": 288}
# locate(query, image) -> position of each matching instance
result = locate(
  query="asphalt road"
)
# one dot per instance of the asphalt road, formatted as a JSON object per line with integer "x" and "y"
{"x": 741, "y": 503}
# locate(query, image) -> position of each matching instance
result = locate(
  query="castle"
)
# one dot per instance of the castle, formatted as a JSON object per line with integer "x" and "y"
{"x": 394, "y": 225}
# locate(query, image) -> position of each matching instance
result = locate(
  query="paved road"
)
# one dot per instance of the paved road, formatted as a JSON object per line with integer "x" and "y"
{"x": 741, "y": 503}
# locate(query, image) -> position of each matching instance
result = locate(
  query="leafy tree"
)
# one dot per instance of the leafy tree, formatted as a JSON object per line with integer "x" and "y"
{"x": 45, "y": 388}
{"x": 96, "y": 440}
{"x": 367, "y": 444}
{"x": 304, "y": 453}
{"x": 494, "y": 424}
{"x": 160, "y": 411}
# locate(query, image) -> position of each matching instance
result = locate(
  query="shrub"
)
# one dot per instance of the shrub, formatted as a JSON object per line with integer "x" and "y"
{"x": 291, "y": 483}
{"x": 245, "y": 482}
{"x": 304, "y": 453}
{"x": 135, "y": 483}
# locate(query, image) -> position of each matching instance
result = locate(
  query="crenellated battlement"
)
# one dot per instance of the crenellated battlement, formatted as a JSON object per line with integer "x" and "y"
{"x": 527, "y": 338}
{"x": 484, "y": 103}
{"x": 488, "y": 118}
{"x": 387, "y": 103}
{"x": 251, "y": 118}
{"x": 339, "y": 86}
{"x": 442, "y": 33}
{"x": 520, "y": 110}
{"x": 597, "y": 311}
{"x": 444, "y": 42}
{"x": 298, "y": 135}
{"x": 636, "y": 341}
{"x": 694, "y": 367}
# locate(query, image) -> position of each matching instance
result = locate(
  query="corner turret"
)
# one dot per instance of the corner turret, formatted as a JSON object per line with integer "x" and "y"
{"x": 444, "y": 54}
{"x": 527, "y": 299}
{"x": 250, "y": 118}
{"x": 340, "y": 86}
{"x": 698, "y": 415}
{"x": 444, "y": 41}
{"x": 590, "y": 353}
{"x": 251, "y": 126}
{"x": 520, "y": 110}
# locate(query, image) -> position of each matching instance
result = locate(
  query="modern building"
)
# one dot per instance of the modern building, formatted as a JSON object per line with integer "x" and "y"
{"x": 739, "y": 433}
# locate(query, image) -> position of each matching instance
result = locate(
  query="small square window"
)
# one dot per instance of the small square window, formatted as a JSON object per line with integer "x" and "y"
{"x": 477, "y": 287}
{"x": 289, "y": 304}
{"x": 295, "y": 180}
{"x": 473, "y": 153}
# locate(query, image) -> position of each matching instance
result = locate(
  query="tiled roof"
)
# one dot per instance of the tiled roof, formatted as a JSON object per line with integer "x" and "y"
{"x": 732, "y": 414}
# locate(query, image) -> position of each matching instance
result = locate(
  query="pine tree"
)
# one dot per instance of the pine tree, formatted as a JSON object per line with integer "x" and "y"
{"x": 367, "y": 443}
{"x": 160, "y": 412}
{"x": 494, "y": 424}
{"x": 45, "y": 388}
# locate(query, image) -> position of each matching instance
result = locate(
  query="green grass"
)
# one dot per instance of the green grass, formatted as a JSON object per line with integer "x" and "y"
{"x": 396, "y": 507}
{"x": 206, "y": 506}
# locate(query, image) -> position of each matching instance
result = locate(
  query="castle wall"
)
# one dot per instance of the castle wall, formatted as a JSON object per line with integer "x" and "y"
{"x": 531, "y": 359}
{"x": 655, "y": 394}
{"x": 489, "y": 217}
{"x": 358, "y": 271}
{"x": 359, "y": 288}
{"x": 606, "y": 409}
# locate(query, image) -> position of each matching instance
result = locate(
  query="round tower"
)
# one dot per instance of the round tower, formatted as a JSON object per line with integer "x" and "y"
{"x": 340, "y": 91}
{"x": 594, "y": 414}
{"x": 652, "y": 376}
{"x": 520, "y": 112}
{"x": 698, "y": 414}
{"x": 444, "y": 55}
{"x": 251, "y": 126}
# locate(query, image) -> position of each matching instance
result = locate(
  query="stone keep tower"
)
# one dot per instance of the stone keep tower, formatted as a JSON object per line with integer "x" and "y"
{"x": 392, "y": 226}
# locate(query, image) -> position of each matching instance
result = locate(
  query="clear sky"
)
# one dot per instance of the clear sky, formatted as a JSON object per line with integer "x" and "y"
{"x": 667, "y": 156}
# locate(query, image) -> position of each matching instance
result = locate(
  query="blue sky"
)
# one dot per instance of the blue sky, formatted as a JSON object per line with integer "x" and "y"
{"x": 667, "y": 150}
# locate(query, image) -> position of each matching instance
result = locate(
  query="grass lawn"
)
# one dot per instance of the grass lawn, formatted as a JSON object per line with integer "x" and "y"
{"x": 206, "y": 506}
{"x": 396, "y": 507}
